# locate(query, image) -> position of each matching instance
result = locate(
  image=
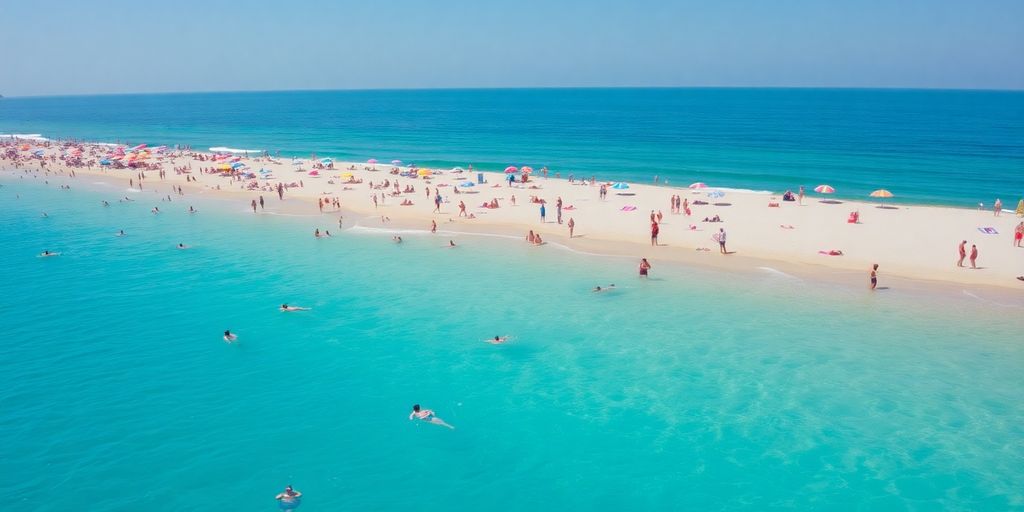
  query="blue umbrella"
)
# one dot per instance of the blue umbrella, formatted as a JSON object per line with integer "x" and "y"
{"x": 715, "y": 194}
{"x": 467, "y": 184}
{"x": 620, "y": 186}
{"x": 236, "y": 165}
{"x": 104, "y": 162}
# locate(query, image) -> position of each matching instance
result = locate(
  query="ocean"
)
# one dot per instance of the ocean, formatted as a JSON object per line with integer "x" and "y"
{"x": 692, "y": 390}
{"x": 955, "y": 148}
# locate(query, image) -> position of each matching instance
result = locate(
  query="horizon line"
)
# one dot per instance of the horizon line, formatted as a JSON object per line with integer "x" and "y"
{"x": 501, "y": 88}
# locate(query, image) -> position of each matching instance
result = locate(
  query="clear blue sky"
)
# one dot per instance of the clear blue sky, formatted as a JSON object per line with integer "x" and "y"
{"x": 111, "y": 46}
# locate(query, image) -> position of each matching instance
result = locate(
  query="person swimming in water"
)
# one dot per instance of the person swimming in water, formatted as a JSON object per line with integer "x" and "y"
{"x": 605, "y": 289}
{"x": 397, "y": 239}
{"x": 47, "y": 254}
{"x": 288, "y": 495}
{"x": 120, "y": 233}
{"x": 192, "y": 210}
{"x": 155, "y": 210}
{"x": 451, "y": 243}
{"x": 428, "y": 416}
{"x": 286, "y": 307}
{"x": 497, "y": 340}
{"x": 229, "y": 337}
{"x": 182, "y": 246}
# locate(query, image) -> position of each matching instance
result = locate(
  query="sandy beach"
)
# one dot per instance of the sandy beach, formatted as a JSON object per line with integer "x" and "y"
{"x": 913, "y": 242}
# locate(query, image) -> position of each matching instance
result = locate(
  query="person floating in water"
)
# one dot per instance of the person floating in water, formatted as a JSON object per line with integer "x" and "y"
{"x": 288, "y": 495}
{"x": 605, "y": 289}
{"x": 47, "y": 254}
{"x": 497, "y": 340}
{"x": 182, "y": 246}
{"x": 286, "y": 307}
{"x": 120, "y": 233}
{"x": 229, "y": 337}
{"x": 427, "y": 415}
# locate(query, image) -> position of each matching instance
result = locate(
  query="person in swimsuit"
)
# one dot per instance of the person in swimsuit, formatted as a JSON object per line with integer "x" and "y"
{"x": 874, "y": 276}
{"x": 182, "y": 246}
{"x": 289, "y": 494}
{"x": 605, "y": 289}
{"x": 644, "y": 267}
{"x": 428, "y": 416}
{"x": 963, "y": 253}
{"x": 974, "y": 256}
{"x": 47, "y": 254}
{"x": 286, "y": 307}
{"x": 228, "y": 337}
{"x": 497, "y": 340}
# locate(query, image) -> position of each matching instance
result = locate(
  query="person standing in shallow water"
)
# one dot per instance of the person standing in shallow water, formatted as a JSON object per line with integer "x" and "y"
{"x": 645, "y": 267}
{"x": 874, "y": 276}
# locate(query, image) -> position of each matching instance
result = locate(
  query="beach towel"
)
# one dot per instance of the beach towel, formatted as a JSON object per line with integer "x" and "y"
{"x": 628, "y": 208}
{"x": 989, "y": 231}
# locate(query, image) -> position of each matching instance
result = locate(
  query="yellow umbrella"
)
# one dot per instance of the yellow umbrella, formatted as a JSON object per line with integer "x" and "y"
{"x": 224, "y": 167}
{"x": 881, "y": 193}
{"x": 1020, "y": 208}
{"x": 423, "y": 172}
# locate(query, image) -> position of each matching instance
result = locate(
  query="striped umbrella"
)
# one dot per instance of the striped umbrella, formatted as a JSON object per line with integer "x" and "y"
{"x": 695, "y": 186}
{"x": 824, "y": 189}
{"x": 881, "y": 194}
{"x": 511, "y": 169}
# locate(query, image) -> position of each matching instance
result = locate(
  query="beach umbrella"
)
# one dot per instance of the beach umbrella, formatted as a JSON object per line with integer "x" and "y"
{"x": 457, "y": 169}
{"x": 695, "y": 186}
{"x": 396, "y": 162}
{"x": 237, "y": 165}
{"x": 372, "y": 161}
{"x": 224, "y": 167}
{"x": 104, "y": 162}
{"x": 140, "y": 146}
{"x": 467, "y": 184}
{"x": 715, "y": 194}
{"x": 423, "y": 172}
{"x": 620, "y": 186}
{"x": 881, "y": 194}
{"x": 824, "y": 189}
{"x": 38, "y": 152}
{"x": 511, "y": 169}
{"x": 527, "y": 169}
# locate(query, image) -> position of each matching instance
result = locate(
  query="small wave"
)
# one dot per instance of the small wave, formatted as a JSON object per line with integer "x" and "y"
{"x": 108, "y": 144}
{"x": 25, "y": 136}
{"x": 742, "y": 190}
{"x": 1000, "y": 304}
{"x": 221, "y": 149}
{"x": 777, "y": 272}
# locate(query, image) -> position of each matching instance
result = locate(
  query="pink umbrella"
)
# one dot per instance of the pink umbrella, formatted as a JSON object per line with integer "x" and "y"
{"x": 527, "y": 169}
{"x": 824, "y": 189}
{"x": 511, "y": 169}
{"x": 372, "y": 161}
{"x": 396, "y": 162}
{"x": 697, "y": 185}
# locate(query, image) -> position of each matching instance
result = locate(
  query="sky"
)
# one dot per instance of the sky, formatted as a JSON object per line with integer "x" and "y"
{"x": 116, "y": 46}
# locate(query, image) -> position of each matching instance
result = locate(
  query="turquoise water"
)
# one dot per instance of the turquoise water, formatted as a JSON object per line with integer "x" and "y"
{"x": 695, "y": 390}
{"x": 945, "y": 147}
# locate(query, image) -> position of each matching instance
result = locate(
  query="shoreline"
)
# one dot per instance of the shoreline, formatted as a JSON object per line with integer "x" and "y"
{"x": 901, "y": 239}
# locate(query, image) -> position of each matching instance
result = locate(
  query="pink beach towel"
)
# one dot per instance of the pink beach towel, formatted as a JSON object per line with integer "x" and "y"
{"x": 628, "y": 208}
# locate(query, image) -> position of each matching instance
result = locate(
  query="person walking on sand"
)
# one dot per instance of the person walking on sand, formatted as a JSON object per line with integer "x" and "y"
{"x": 997, "y": 207}
{"x": 462, "y": 209}
{"x": 974, "y": 256}
{"x": 558, "y": 209}
{"x": 543, "y": 212}
{"x": 645, "y": 267}
{"x": 721, "y": 241}
{"x": 572, "y": 226}
{"x": 433, "y": 226}
{"x": 963, "y": 253}
{"x": 874, "y": 276}
{"x": 654, "y": 233}
{"x": 801, "y": 195}
{"x": 1018, "y": 234}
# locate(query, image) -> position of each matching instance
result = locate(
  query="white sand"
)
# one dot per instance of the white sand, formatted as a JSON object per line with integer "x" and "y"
{"x": 916, "y": 242}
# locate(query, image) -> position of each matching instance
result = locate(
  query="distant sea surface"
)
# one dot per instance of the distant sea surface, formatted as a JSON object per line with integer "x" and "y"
{"x": 944, "y": 147}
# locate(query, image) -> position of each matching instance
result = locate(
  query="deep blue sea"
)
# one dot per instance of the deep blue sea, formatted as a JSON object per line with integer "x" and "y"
{"x": 692, "y": 390}
{"x": 946, "y": 147}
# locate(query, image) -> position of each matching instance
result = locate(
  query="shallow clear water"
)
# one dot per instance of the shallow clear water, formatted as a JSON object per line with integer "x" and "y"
{"x": 693, "y": 390}
{"x": 947, "y": 147}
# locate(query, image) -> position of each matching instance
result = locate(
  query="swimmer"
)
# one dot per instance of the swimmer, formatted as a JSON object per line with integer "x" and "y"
{"x": 47, "y": 254}
{"x": 286, "y": 307}
{"x": 397, "y": 239}
{"x": 120, "y": 233}
{"x": 182, "y": 246}
{"x": 155, "y": 210}
{"x": 451, "y": 243}
{"x": 605, "y": 289}
{"x": 428, "y": 416}
{"x": 44, "y": 215}
{"x": 106, "y": 203}
{"x": 288, "y": 495}
{"x": 497, "y": 340}
{"x": 229, "y": 337}
{"x": 192, "y": 210}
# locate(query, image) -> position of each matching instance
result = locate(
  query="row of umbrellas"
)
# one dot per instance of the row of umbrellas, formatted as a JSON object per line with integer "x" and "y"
{"x": 880, "y": 193}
